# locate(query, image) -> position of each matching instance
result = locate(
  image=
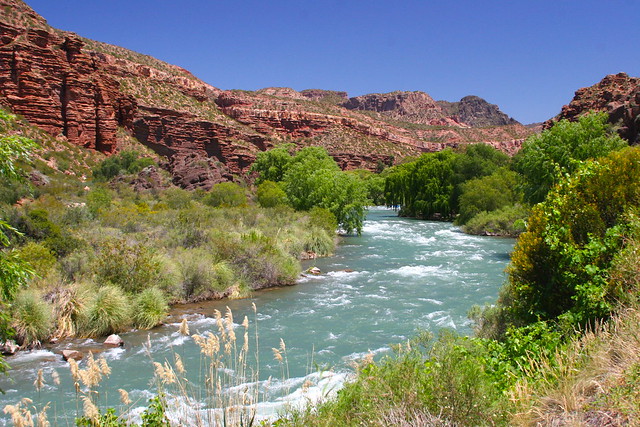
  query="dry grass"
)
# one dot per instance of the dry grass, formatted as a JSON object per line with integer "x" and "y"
{"x": 594, "y": 382}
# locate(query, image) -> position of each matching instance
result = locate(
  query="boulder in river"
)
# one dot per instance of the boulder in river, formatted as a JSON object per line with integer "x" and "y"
{"x": 9, "y": 348}
{"x": 72, "y": 354}
{"x": 114, "y": 341}
{"x": 314, "y": 270}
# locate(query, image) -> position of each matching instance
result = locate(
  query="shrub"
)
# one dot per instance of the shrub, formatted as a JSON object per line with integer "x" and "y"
{"x": 98, "y": 200}
{"x": 269, "y": 194}
{"x": 31, "y": 319}
{"x": 133, "y": 267}
{"x": 150, "y": 308}
{"x": 508, "y": 221}
{"x": 561, "y": 265}
{"x": 124, "y": 162}
{"x": 39, "y": 258}
{"x": 323, "y": 219}
{"x": 108, "y": 312}
{"x": 226, "y": 194}
{"x": 486, "y": 194}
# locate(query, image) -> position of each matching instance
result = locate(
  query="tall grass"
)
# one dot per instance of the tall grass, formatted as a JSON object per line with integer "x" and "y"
{"x": 108, "y": 312}
{"x": 32, "y": 319}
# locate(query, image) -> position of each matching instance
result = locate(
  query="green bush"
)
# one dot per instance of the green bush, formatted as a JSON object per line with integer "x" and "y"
{"x": 125, "y": 162}
{"x": 132, "y": 267}
{"x": 561, "y": 265}
{"x": 225, "y": 195}
{"x": 150, "y": 308}
{"x": 508, "y": 221}
{"x": 486, "y": 194}
{"x": 32, "y": 319}
{"x": 108, "y": 312}
{"x": 269, "y": 194}
{"x": 39, "y": 258}
{"x": 99, "y": 200}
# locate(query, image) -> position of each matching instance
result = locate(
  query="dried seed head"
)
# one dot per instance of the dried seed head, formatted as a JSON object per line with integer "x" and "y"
{"x": 42, "y": 417}
{"x": 179, "y": 364}
{"x": 184, "y": 327}
{"x": 277, "y": 355}
{"x": 75, "y": 371}
{"x": 104, "y": 366}
{"x": 124, "y": 397}
{"x": 39, "y": 382}
{"x": 229, "y": 317}
{"x": 90, "y": 410}
{"x": 55, "y": 377}
{"x": 283, "y": 347}
{"x": 253, "y": 305}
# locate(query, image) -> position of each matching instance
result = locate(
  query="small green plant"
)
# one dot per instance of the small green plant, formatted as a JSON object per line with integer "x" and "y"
{"x": 32, "y": 319}
{"x": 108, "y": 312}
{"x": 150, "y": 308}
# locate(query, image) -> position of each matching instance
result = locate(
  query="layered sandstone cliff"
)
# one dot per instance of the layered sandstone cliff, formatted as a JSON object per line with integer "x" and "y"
{"x": 84, "y": 91}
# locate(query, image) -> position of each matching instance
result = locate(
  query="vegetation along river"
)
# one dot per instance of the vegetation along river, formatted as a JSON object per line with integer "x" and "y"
{"x": 401, "y": 276}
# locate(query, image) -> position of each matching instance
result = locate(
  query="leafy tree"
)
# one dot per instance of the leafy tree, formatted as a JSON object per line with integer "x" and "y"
{"x": 561, "y": 265}
{"x": 272, "y": 164}
{"x": 545, "y": 158}
{"x": 487, "y": 194}
{"x": 311, "y": 179}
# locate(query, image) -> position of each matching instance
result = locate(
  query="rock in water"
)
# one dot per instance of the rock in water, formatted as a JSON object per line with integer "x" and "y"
{"x": 114, "y": 341}
{"x": 72, "y": 354}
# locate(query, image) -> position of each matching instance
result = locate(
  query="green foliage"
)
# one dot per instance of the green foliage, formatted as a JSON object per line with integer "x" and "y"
{"x": 424, "y": 188}
{"x": 324, "y": 219}
{"x": 132, "y": 267}
{"x": 271, "y": 165}
{"x": 269, "y": 194}
{"x": 545, "y": 158}
{"x": 226, "y": 195}
{"x": 108, "y": 419}
{"x": 108, "y": 312}
{"x": 125, "y": 162}
{"x": 98, "y": 200}
{"x": 39, "y": 257}
{"x": 430, "y": 186}
{"x": 150, "y": 308}
{"x": 31, "y": 319}
{"x": 560, "y": 266}
{"x": 311, "y": 179}
{"x": 507, "y": 221}
{"x": 486, "y": 194}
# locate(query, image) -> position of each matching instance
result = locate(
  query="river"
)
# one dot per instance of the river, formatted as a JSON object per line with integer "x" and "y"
{"x": 400, "y": 277}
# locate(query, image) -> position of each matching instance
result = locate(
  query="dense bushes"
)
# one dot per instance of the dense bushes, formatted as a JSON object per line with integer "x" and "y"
{"x": 125, "y": 162}
{"x": 561, "y": 264}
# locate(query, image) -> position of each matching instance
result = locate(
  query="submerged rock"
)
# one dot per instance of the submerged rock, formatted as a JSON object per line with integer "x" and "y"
{"x": 72, "y": 354}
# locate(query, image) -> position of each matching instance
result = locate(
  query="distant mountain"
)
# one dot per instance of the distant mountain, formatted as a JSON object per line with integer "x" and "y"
{"x": 618, "y": 95}
{"x": 477, "y": 112}
{"x": 96, "y": 95}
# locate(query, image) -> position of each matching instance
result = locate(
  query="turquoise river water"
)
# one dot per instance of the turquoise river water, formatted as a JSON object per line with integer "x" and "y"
{"x": 401, "y": 276}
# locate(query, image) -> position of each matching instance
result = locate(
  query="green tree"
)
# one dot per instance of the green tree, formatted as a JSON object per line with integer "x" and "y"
{"x": 271, "y": 165}
{"x": 561, "y": 265}
{"x": 487, "y": 194}
{"x": 545, "y": 158}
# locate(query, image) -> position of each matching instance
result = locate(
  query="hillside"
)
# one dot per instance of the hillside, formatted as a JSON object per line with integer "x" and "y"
{"x": 84, "y": 91}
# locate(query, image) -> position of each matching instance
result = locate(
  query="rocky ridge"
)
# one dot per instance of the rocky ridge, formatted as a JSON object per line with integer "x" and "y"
{"x": 84, "y": 91}
{"x": 618, "y": 95}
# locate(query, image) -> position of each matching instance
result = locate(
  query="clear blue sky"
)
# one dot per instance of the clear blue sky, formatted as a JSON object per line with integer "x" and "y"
{"x": 528, "y": 57}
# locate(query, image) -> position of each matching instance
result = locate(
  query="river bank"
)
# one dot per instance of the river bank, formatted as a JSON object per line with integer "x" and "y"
{"x": 407, "y": 275}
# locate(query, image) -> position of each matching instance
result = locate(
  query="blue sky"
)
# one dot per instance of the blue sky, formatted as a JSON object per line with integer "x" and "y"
{"x": 529, "y": 57}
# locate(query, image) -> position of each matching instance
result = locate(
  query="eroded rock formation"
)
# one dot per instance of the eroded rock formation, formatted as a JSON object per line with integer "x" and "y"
{"x": 618, "y": 95}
